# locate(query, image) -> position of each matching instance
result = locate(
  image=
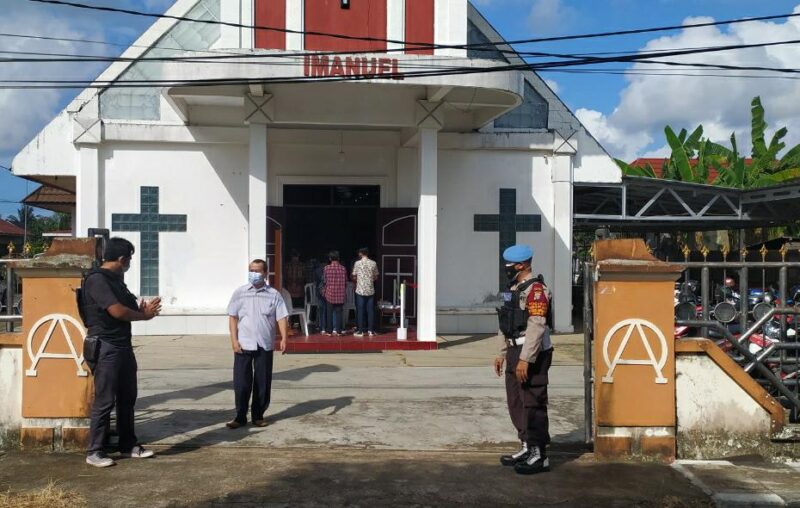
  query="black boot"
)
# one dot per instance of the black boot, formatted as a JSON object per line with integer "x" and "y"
{"x": 535, "y": 462}
{"x": 511, "y": 460}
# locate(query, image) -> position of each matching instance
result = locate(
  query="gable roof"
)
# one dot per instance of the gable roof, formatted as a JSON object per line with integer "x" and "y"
{"x": 9, "y": 229}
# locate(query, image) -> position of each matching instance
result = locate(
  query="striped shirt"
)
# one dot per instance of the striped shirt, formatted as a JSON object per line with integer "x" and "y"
{"x": 258, "y": 311}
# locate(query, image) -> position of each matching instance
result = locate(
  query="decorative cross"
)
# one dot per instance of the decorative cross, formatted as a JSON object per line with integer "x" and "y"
{"x": 508, "y": 224}
{"x": 149, "y": 223}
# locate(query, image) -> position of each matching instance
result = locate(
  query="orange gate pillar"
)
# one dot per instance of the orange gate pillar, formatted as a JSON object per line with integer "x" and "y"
{"x": 633, "y": 352}
{"x": 56, "y": 383}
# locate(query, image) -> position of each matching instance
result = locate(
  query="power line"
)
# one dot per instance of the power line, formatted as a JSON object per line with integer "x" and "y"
{"x": 420, "y": 45}
{"x": 569, "y": 61}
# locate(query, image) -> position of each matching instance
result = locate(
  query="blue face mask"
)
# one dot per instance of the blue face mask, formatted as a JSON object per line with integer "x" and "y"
{"x": 255, "y": 278}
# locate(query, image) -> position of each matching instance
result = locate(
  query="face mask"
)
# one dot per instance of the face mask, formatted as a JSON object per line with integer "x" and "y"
{"x": 255, "y": 278}
{"x": 511, "y": 273}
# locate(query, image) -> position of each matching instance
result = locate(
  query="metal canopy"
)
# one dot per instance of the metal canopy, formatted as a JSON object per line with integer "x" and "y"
{"x": 649, "y": 204}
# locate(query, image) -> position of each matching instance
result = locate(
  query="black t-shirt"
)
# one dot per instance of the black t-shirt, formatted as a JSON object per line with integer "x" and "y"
{"x": 102, "y": 289}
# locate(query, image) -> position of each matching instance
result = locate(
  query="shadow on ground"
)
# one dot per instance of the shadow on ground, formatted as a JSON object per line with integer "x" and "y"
{"x": 346, "y": 477}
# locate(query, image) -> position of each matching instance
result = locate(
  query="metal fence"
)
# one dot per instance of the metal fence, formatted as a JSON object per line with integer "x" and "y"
{"x": 10, "y": 298}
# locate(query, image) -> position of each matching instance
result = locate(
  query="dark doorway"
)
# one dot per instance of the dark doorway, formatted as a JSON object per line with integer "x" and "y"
{"x": 320, "y": 218}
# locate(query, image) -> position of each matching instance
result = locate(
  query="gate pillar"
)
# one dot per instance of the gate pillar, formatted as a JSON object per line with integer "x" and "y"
{"x": 56, "y": 383}
{"x": 633, "y": 352}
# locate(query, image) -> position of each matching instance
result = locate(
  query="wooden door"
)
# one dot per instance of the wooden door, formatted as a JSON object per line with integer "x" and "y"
{"x": 397, "y": 255}
{"x": 276, "y": 218}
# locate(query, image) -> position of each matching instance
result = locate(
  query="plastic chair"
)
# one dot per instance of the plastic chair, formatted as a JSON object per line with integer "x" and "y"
{"x": 310, "y": 300}
{"x": 349, "y": 302}
{"x": 287, "y": 299}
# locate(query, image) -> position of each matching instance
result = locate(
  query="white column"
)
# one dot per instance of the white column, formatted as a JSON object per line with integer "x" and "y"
{"x": 87, "y": 184}
{"x": 257, "y": 193}
{"x": 396, "y": 23}
{"x": 450, "y": 26}
{"x": 427, "y": 230}
{"x": 562, "y": 243}
{"x": 295, "y": 21}
{"x": 247, "y": 18}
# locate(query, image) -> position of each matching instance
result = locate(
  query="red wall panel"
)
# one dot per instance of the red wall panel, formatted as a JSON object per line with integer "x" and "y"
{"x": 271, "y": 13}
{"x": 364, "y": 18}
{"x": 419, "y": 24}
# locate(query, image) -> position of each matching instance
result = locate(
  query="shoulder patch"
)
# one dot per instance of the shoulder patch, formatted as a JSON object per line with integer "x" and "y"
{"x": 538, "y": 302}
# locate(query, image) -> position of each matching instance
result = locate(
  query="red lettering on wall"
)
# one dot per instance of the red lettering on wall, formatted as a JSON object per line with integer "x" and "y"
{"x": 364, "y": 18}
{"x": 353, "y": 66}
{"x": 419, "y": 25}
{"x": 322, "y": 66}
{"x": 270, "y": 13}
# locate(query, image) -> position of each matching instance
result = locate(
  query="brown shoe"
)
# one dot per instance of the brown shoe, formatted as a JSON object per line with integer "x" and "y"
{"x": 233, "y": 424}
{"x": 260, "y": 423}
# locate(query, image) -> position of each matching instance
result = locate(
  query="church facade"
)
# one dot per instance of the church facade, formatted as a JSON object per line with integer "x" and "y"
{"x": 257, "y": 143}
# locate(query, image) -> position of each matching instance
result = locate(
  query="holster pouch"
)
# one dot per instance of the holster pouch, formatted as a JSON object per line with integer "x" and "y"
{"x": 91, "y": 351}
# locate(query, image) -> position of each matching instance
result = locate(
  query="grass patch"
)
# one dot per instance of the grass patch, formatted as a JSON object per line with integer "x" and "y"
{"x": 51, "y": 496}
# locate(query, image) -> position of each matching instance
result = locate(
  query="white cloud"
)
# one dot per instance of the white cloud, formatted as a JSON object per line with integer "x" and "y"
{"x": 24, "y": 112}
{"x": 550, "y": 16}
{"x": 554, "y": 86}
{"x": 621, "y": 143}
{"x": 649, "y": 103}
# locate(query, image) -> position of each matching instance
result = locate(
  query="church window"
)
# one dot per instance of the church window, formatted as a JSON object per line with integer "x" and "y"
{"x": 531, "y": 114}
{"x": 145, "y": 103}
{"x": 486, "y": 51}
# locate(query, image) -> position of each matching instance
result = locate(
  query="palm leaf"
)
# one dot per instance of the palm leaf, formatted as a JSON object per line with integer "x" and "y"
{"x": 679, "y": 157}
{"x": 758, "y": 128}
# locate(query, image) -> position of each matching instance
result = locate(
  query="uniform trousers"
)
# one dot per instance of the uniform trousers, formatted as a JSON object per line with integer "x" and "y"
{"x": 527, "y": 402}
{"x": 114, "y": 384}
{"x": 252, "y": 374}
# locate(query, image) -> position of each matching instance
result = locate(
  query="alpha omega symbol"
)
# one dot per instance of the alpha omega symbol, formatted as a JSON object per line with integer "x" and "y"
{"x": 630, "y": 326}
{"x": 61, "y": 321}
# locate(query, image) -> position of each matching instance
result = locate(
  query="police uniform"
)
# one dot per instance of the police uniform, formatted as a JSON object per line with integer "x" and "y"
{"x": 114, "y": 364}
{"x": 525, "y": 336}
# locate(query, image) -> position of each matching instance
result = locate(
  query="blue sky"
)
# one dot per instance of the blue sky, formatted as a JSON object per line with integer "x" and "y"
{"x": 627, "y": 114}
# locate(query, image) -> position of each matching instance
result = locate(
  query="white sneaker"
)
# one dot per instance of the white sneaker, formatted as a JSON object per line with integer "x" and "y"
{"x": 358, "y": 334}
{"x": 138, "y": 452}
{"x": 99, "y": 459}
{"x": 371, "y": 334}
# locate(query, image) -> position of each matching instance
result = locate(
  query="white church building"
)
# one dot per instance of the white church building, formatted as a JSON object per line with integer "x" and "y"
{"x": 229, "y": 158}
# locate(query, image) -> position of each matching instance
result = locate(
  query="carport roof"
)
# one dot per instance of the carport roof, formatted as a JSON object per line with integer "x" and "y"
{"x": 650, "y": 204}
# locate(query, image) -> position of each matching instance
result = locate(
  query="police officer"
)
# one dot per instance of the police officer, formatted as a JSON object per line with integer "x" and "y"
{"x": 108, "y": 309}
{"x": 527, "y": 353}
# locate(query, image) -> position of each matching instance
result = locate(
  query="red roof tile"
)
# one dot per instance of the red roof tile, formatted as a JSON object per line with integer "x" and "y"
{"x": 8, "y": 229}
{"x": 658, "y": 166}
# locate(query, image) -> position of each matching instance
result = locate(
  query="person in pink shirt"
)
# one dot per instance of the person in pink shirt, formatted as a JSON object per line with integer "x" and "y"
{"x": 335, "y": 276}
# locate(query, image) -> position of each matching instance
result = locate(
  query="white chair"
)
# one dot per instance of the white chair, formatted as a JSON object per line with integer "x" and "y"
{"x": 349, "y": 303}
{"x": 287, "y": 299}
{"x": 310, "y": 300}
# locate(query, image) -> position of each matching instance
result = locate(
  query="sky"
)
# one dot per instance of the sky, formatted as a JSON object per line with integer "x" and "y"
{"x": 627, "y": 114}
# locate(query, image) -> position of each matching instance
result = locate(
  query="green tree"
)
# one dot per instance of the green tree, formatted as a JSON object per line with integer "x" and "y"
{"x": 733, "y": 170}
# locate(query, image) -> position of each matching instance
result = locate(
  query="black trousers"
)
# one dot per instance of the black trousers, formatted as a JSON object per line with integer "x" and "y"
{"x": 114, "y": 384}
{"x": 252, "y": 373}
{"x": 527, "y": 402}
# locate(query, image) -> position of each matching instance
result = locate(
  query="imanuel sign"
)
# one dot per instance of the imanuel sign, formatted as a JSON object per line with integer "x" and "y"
{"x": 323, "y": 66}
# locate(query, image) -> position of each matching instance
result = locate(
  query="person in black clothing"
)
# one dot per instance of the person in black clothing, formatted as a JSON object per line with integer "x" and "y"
{"x": 108, "y": 309}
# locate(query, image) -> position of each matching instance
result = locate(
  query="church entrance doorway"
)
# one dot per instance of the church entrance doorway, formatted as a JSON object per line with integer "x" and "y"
{"x": 318, "y": 218}
{"x": 321, "y": 218}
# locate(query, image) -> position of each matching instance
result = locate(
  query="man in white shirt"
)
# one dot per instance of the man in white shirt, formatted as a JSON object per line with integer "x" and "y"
{"x": 365, "y": 273}
{"x": 254, "y": 313}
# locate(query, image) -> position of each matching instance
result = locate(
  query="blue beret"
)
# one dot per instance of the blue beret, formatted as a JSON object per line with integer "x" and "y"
{"x": 518, "y": 254}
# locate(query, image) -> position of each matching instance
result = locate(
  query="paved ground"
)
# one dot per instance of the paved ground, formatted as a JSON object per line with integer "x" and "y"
{"x": 416, "y": 400}
{"x": 399, "y": 428}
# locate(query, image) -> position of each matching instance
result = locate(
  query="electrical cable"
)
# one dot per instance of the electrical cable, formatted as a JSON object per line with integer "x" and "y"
{"x": 419, "y": 45}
